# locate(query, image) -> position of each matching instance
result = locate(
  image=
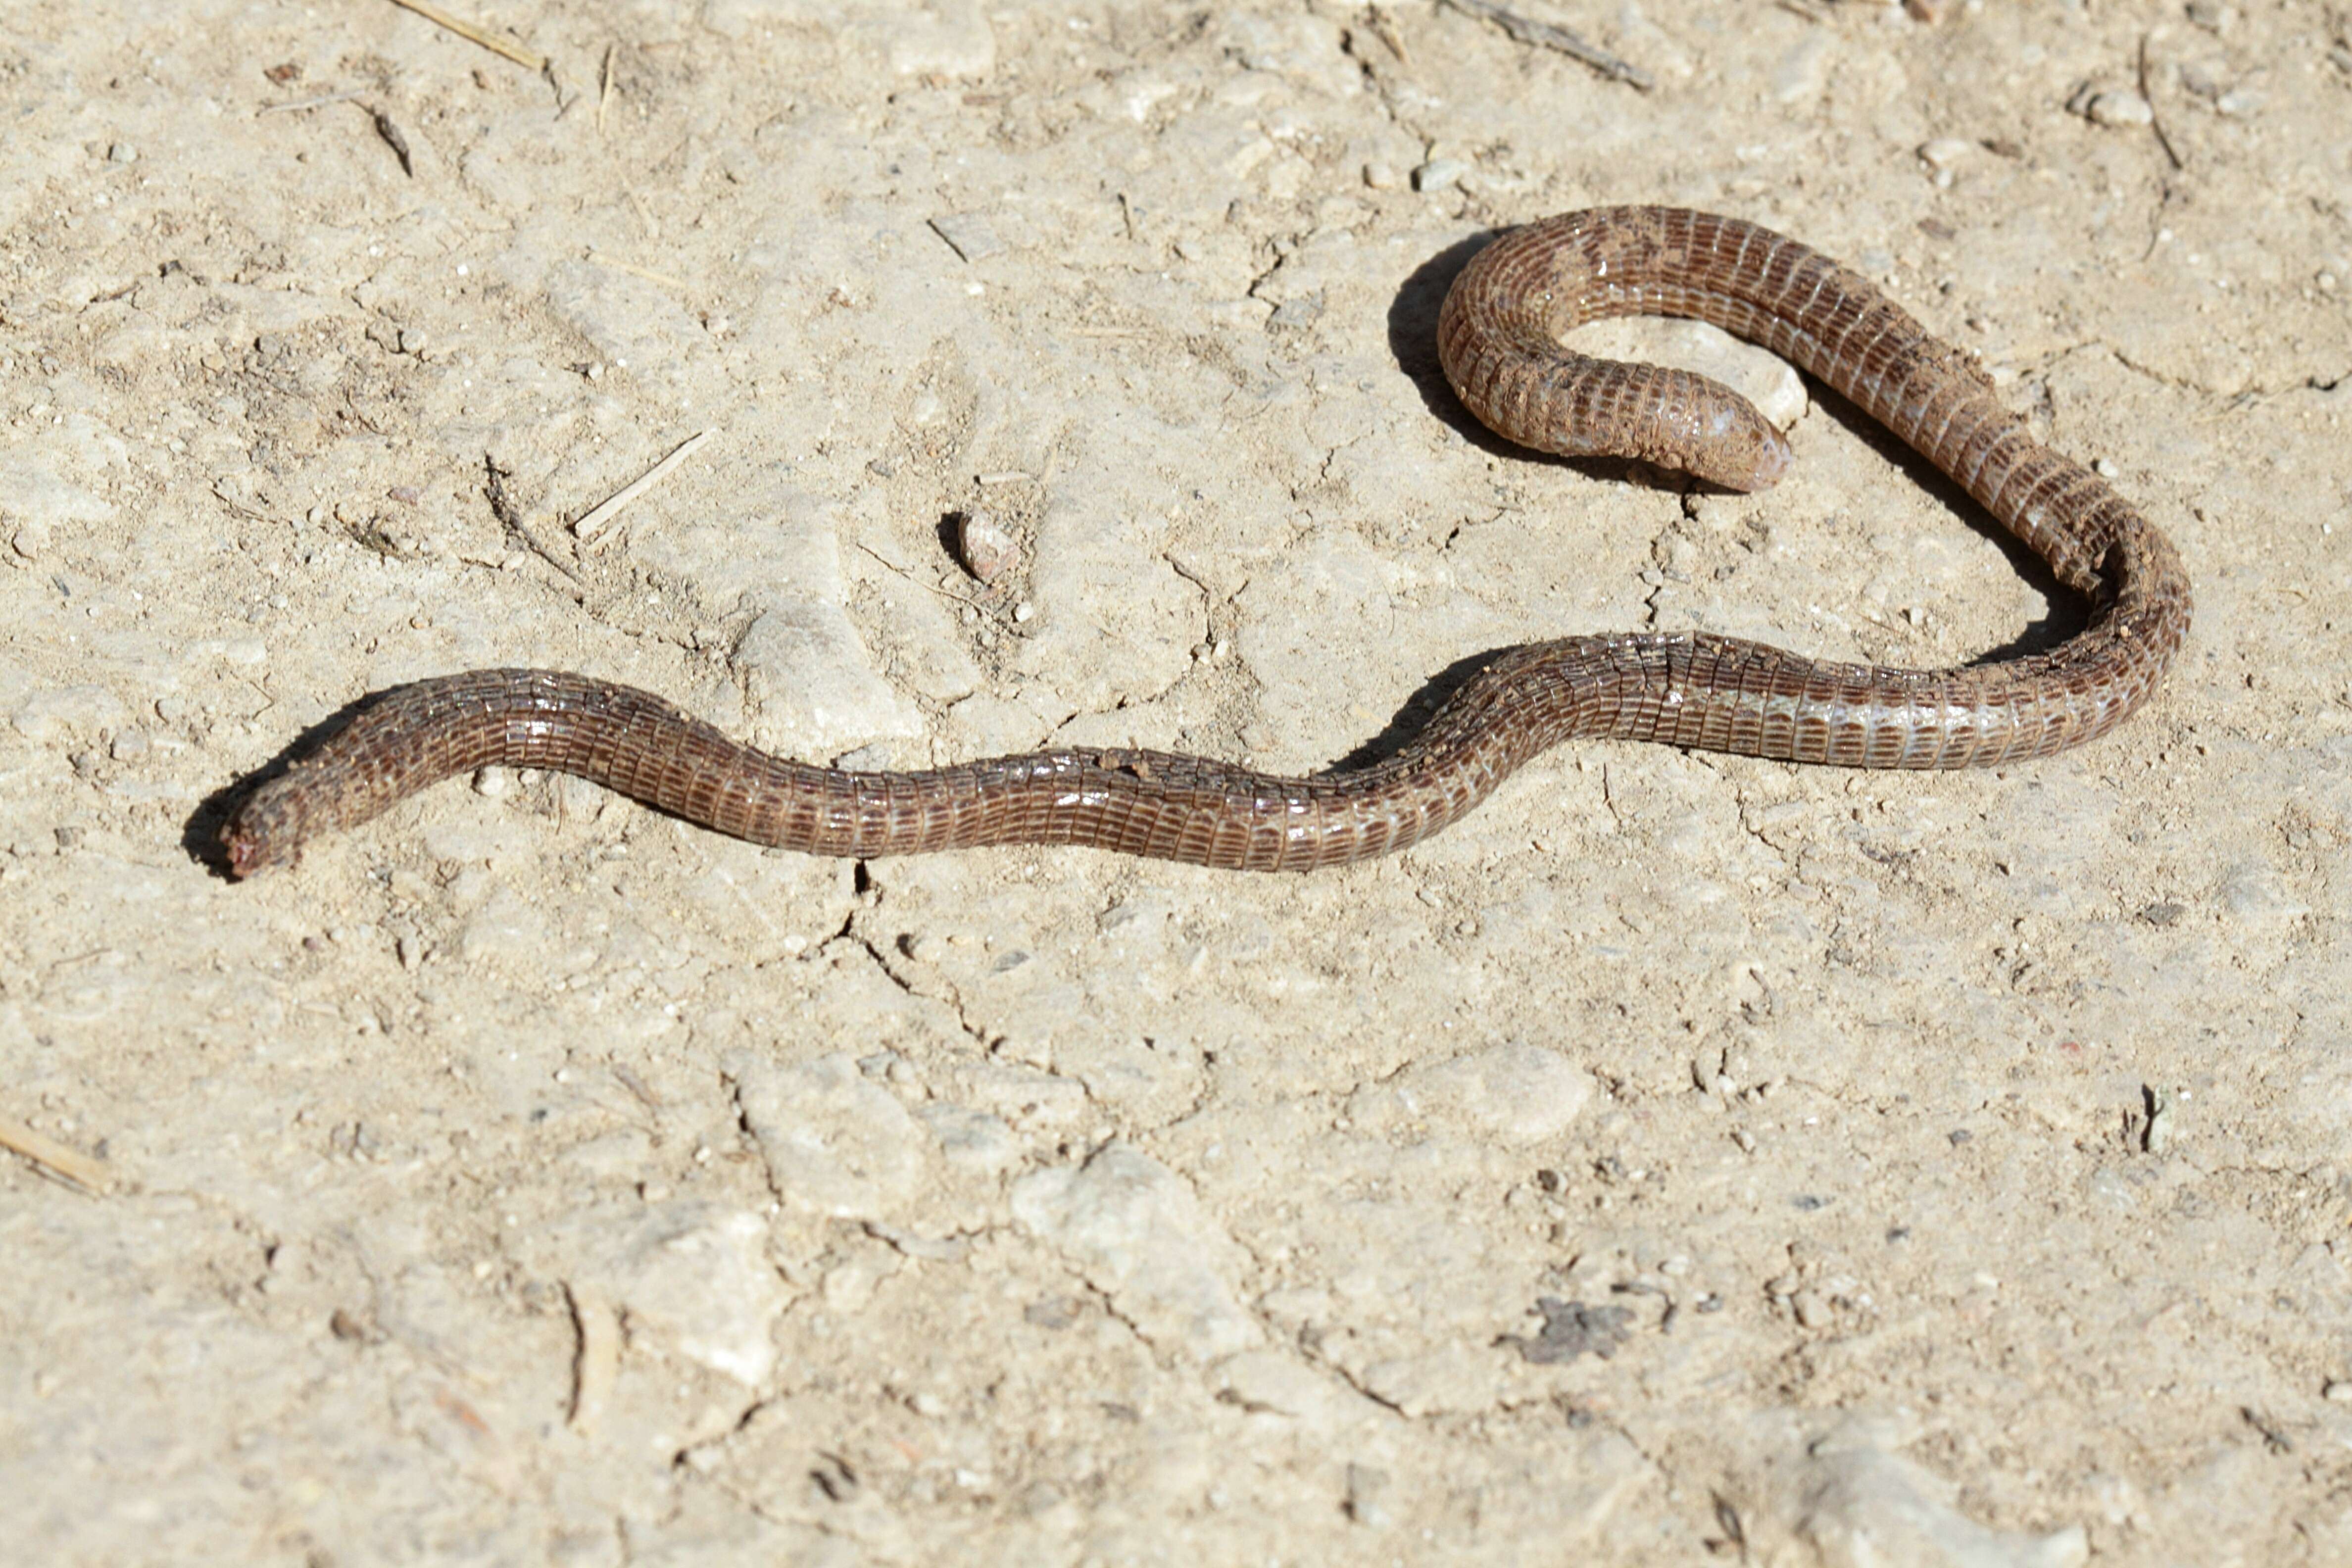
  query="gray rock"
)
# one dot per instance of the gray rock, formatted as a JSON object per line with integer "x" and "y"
{"x": 835, "y": 1143}
{"x": 1139, "y": 1234}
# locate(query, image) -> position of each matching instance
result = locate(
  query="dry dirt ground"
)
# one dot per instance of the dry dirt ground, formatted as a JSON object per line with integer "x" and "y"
{"x": 1683, "y": 1159}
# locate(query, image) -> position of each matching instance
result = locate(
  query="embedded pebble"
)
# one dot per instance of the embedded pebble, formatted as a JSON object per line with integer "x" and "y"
{"x": 1439, "y": 174}
{"x": 1857, "y": 1502}
{"x": 834, "y": 1142}
{"x": 508, "y": 928}
{"x": 1514, "y": 1095}
{"x": 696, "y": 1282}
{"x": 2119, "y": 108}
{"x": 1946, "y": 152}
{"x": 1139, "y": 1234}
{"x": 1803, "y": 70}
{"x": 973, "y": 236}
{"x": 62, "y": 711}
{"x": 984, "y": 547}
{"x": 1298, "y": 312}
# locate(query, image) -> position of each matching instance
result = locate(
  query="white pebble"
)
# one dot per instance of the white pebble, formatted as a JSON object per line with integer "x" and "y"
{"x": 2105, "y": 468}
{"x": 1439, "y": 174}
{"x": 1945, "y": 151}
{"x": 1381, "y": 176}
{"x": 2120, "y": 109}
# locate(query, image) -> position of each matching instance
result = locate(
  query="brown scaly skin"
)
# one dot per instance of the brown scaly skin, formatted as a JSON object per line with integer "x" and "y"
{"x": 1497, "y": 337}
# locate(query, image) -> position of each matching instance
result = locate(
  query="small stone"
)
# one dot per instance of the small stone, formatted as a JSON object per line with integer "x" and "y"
{"x": 1946, "y": 152}
{"x": 1139, "y": 1234}
{"x": 1298, "y": 312}
{"x": 2238, "y": 102}
{"x": 1803, "y": 71}
{"x": 1383, "y": 176}
{"x": 1023, "y": 610}
{"x": 2119, "y": 107}
{"x": 1570, "y": 1329}
{"x": 2105, "y": 468}
{"x": 985, "y": 546}
{"x": 1439, "y": 174}
{"x": 354, "y": 1327}
{"x": 971, "y": 235}
{"x": 122, "y": 152}
{"x": 493, "y": 783}
{"x": 1515, "y": 1095}
{"x": 128, "y": 745}
{"x": 2211, "y": 15}
{"x": 2338, "y": 1390}
{"x": 836, "y": 1143}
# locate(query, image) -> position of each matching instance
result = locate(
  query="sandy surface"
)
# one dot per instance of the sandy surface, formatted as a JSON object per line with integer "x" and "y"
{"x": 1684, "y": 1158}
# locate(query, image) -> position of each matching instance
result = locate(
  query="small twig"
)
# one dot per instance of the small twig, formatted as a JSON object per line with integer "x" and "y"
{"x": 393, "y": 140}
{"x": 637, "y": 206}
{"x": 238, "y": 506}
{"x": 2155, "y": 120}
{"x": 648, "y": 273}
{"x": 891, "y": 566}
{"x": 53, "y": 1156}
{"x": 304, "y": 103}
{"x": 597, "y": 1363}
{"x": 1532, "y": 32}
{"x": 597, "y": 520}
{"x": 503, "y": 508}
{"x": 605, "y": 90}
{"x": 472, "y": 34}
